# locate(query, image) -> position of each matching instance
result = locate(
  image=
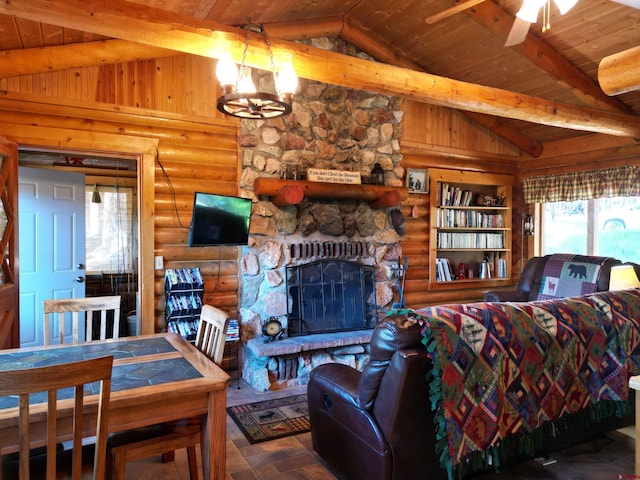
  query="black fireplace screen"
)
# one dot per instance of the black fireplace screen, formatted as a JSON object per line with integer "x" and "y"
{"x": 331, "y": 296}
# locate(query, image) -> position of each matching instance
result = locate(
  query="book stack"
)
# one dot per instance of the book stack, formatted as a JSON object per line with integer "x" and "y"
{"x": 185, "y": 328}
{"x": 233, "y": 331}
{"x": 450, "y": 218}
{"x": 443, "y": 270}
{"x": 453, "y": 196}
{"x": 470, "y": 240}
{"x": 183, "y": 278}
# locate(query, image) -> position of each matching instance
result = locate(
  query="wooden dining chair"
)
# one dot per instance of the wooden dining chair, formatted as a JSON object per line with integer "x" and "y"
{"x": 167, "y": 437}
{"x": 81, "y": 308}
{"x": 81, "y": 376}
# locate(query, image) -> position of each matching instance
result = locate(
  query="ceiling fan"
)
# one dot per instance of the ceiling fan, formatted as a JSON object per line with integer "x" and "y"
{"x": 530, "y": 10}
{"x": 526, "y": 16}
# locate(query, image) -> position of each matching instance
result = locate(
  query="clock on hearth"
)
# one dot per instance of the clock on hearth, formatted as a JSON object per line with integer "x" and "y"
{"x": 272, "y": 330}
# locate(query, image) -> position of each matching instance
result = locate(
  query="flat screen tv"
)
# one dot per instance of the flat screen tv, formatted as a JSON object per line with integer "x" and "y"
{"x": 219, "y": 220}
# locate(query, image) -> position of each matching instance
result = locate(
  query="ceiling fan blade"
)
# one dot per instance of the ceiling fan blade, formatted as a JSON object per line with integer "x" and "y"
{"x": 452, "y": 11}
{"x": 629, "y": 3}
{"x": 518, "y": 32}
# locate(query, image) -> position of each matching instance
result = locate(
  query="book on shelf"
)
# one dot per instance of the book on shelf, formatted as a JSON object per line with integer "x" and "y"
{"x": 502, "y": 268}
{"x": 451, "y": 218}
{"x": 443, "y": 273}
{"x": 477, "y": 240}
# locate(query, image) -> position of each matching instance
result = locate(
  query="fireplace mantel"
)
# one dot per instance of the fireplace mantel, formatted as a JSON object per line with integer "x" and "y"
{"x": 292, "y": 192}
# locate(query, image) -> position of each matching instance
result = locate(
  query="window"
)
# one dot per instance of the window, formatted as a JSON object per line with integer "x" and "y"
{"x": 608, "y": 227}
{"x": 111, "y": 234}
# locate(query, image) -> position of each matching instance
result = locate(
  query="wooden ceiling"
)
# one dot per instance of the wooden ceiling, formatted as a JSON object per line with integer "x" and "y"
{"x": 558, "y": 67}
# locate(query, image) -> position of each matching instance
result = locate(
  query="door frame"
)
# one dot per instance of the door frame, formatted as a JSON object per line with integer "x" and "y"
{"x": 141, "y": 149}
{"x": 9, "y": 291}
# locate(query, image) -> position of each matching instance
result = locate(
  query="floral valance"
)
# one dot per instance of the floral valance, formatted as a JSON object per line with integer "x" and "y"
{"x": 610, "y": 182}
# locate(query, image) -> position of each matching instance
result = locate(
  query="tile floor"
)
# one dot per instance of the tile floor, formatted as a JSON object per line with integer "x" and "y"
{"x": 282, "y": 459}
{"x": 292, "y": 458}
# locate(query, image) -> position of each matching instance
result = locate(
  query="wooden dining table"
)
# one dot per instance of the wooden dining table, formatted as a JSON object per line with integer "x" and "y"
{"x": 156, "y": 378}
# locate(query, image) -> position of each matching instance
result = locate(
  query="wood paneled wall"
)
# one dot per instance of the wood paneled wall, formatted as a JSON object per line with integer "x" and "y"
{"x": 181, "y": 84}
{"x": 426, "y": 126}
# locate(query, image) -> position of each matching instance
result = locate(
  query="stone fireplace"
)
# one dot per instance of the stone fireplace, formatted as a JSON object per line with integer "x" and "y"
{"x": 316, "y": 239}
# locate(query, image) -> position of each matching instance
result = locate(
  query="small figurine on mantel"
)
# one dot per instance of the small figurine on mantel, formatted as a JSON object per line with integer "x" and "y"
{"x": 377, "y": 175}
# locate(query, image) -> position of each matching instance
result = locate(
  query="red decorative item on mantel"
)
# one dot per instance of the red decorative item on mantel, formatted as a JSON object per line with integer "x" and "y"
{"x": 462, "y": 269}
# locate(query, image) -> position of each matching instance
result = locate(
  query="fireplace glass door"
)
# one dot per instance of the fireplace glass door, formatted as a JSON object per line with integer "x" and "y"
{"x": 330, "y": 296}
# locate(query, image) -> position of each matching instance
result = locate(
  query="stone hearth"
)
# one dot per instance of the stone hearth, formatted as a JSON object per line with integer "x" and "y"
{"x": 288, "y": 362}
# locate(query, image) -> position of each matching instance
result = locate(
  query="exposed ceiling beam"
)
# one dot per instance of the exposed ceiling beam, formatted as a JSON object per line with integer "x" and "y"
{"x": 30, "y": 61}
{"x": 620, "y": 73}
{"x": 538, "y": 52}
{"x": 457, "y": 7}
{"x": 141, "y": 24}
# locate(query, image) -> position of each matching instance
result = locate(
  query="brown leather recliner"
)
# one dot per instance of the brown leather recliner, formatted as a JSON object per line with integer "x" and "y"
{"x": 531, "y": 277}
{"x": 377, "y": 424}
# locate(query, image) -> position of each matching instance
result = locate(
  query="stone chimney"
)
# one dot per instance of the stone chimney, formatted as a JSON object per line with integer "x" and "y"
{"x": 330, "y": 128}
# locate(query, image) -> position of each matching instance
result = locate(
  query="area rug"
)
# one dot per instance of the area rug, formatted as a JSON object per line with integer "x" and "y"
{"x": 271, "y": 419}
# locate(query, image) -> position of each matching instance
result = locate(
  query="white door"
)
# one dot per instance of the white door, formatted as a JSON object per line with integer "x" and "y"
{"x": 52, "y": 245}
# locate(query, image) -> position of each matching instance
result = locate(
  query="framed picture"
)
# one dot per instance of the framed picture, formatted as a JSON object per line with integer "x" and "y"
{"x": 417, "y": 180}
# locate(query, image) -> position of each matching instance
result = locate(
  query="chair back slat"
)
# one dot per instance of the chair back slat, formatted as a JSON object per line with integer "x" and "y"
{"x": 85, "y": 306}
{"x": 212, "y": 332}
{"x": 50, "y": 379}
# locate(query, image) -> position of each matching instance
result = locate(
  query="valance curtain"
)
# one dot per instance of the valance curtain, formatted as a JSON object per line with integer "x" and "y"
{"x": 610, "y": 182}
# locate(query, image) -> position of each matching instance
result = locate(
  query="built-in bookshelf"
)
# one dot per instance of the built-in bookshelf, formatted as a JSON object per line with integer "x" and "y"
{"x": 184, "y": 289}
{"x": 470, "y": 229}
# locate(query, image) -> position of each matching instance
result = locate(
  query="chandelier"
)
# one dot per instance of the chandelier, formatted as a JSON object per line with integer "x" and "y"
{"x": 240, "y": 97}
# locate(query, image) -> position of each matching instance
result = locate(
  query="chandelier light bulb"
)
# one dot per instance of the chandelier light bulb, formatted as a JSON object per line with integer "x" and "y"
{"x": 245, "y": 82}
{"x": 287, "y": 81}
{"x": 227, "y": 72}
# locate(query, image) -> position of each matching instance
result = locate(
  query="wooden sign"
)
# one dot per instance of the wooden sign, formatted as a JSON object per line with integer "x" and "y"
{"x": 333, "y": 176}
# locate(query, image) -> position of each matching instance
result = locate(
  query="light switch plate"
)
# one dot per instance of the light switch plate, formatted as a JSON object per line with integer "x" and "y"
{"x": 159, "y": 262}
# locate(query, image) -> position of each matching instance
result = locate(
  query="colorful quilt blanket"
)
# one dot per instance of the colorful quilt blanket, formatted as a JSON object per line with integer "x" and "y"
{"x": 568, "y": 275}
{"x": 507, "y": 369}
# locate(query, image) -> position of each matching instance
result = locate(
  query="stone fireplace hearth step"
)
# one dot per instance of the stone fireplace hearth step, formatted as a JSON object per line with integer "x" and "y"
{"x": 292, "y": 345}
{"x": 287, "y": 363}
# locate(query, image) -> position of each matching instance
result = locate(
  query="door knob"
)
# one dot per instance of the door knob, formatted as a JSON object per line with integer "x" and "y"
{"x": 79, "y": 279}
{"x": 80, "y": 266}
